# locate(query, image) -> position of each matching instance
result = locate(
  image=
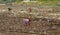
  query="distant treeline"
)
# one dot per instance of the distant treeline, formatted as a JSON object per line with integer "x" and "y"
{"x": 10, "y": 1}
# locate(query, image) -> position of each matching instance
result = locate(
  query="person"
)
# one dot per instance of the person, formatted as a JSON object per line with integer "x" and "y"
{"x": 26, "y": 22}
{"x": 30, "y": 10}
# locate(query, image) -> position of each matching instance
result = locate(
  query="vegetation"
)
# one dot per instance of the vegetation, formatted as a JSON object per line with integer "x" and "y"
{"x": 41, "y": 2}
{"x": 9, "y": 1}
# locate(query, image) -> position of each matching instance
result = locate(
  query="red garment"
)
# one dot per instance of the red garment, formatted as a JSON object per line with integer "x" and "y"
{"x": 27, "y": 24}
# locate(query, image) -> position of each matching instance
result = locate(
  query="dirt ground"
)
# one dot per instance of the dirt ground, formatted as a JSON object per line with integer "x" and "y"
{"x": 38, "y": 26}
{"x": 13, "y": 25}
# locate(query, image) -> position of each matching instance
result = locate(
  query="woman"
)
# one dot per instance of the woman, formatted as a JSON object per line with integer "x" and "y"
{"x": 26, "y": 22}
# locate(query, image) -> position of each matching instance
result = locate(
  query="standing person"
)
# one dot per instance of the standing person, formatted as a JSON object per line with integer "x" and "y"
{"x": 26, "y": 22}
{"x": 30, "y": 10}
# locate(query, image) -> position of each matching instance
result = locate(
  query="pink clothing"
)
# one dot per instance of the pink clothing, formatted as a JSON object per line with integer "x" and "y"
{"x": 26, "y": 22}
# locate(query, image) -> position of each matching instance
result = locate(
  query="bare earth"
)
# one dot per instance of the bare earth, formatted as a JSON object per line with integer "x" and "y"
{"x": 11, "y": 25}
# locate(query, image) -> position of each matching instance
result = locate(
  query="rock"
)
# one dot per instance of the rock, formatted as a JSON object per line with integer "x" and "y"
{"x": 32, "y": 32}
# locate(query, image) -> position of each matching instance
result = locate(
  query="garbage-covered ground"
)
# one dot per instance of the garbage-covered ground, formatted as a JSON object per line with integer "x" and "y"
{"x": 11, "y": 23}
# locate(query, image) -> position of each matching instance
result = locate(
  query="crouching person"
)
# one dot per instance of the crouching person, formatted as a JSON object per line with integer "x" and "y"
{"x": 26, "y": 22}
